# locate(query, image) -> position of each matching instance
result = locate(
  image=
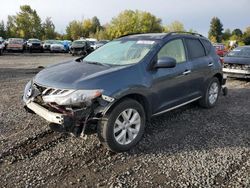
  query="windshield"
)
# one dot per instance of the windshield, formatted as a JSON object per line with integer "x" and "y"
{"x": 57, "y": 42}
{"x": 240, "y": 52}
{"x": 49, "y": 41}
{"x": 34, "y": 40}
{"x": 15, "y": 41}
{"x": 121, "y": 52}
{"x": 78, "y": 42}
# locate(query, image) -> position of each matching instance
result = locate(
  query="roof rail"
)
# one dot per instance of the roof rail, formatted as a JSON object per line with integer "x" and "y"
{"x": 136, "y": 33}
{"x": 185, "y": 32}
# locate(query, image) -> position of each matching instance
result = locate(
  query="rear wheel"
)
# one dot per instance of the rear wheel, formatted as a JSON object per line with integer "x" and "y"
{"x": 123, "y": 127}
{"x": 1, "y": 51}
{"x": 211, "y": 95}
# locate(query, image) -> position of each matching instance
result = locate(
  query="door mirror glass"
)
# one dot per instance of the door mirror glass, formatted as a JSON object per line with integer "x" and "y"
{"x": 165, "y": 62}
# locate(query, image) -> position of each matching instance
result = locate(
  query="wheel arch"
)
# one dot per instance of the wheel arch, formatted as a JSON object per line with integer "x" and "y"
{"x": 220, "y": 77}
{"x": 137, "y": 97}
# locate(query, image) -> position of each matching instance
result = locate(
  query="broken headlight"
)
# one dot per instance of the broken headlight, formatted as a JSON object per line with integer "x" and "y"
{"x": 72, "y": 97}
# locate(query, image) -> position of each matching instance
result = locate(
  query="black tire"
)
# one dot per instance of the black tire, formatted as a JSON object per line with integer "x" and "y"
{"x": 204, "y": 101}
{"x": 105, "y": 127}
{"x": 1, "y": 51}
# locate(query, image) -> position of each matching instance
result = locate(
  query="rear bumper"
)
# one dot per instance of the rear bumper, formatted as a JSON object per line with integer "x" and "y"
{"x": 236, "y": 73}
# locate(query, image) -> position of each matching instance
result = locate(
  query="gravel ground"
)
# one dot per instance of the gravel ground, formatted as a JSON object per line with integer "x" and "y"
{"x": 187, "y": 147}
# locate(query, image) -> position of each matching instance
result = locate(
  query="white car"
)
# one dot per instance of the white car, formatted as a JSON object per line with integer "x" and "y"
{"x": 1, "y": 46}
{"x": 92, "y": 42}
{"x": 57, "y": 46}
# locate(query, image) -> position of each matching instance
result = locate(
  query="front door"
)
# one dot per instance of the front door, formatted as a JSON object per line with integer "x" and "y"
{"x": 170, "y": 85}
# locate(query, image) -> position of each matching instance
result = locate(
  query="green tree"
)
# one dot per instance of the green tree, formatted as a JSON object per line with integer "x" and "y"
{"x": 28, "y": 23}
{"x": 48, "y": 29}
{"x": 237, "y": 32}
{"x": 2, "y": 30}
{"x": 246, "y": 36}
{"x": 96, "y": 26}
{"x": 174, "y": 26}
{"x": 226, "y": 35}
{"x": 74, "y": 30}
{"x": 130, "y": 21}
{"x": 216, "y": 29}
{"x": 11, "y": 29}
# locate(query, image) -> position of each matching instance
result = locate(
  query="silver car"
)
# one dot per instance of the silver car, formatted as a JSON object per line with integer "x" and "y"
{"x": 57, "y": 46}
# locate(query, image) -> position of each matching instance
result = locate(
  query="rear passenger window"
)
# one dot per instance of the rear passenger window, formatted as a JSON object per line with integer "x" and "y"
{"x": 195, "y": 48}
{"x": 174, "y": 49}
{"x": 207, "y": 45}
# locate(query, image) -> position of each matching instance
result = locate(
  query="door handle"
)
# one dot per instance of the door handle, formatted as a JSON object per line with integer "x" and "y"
{"x": 186, "y": 72}
{"x": 210, "y": 64}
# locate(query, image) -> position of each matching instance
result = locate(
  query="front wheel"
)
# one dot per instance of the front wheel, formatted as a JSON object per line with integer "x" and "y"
{"x": 123, "y": 127}
{"x": 211, "y": 95}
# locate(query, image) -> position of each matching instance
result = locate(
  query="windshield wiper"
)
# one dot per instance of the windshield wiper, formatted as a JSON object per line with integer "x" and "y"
{"x": 97, "y": 63}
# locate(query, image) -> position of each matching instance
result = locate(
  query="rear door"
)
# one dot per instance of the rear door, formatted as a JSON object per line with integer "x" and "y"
{"x": 170, "y": 84}
{"x": 200, "y": 65}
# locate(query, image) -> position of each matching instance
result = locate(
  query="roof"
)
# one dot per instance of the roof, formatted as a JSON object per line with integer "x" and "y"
{"x": 158, "y": 36}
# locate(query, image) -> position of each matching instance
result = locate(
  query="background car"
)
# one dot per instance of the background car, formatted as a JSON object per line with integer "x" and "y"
{"x": 67, "y": 44}
{"x": 80, "y": 47}
{"x": 46, "y": 44}
{"x": 57, "y": 46}
{"x": 237, "y": 63}
{"x": 100, "y": 43}
{"x": 15, "y": 44}
{"x": 220, "y": 49}
{"x": 34, "y": 45}
{"x": 92, "y": 42}
{"x": 1, "y": 47}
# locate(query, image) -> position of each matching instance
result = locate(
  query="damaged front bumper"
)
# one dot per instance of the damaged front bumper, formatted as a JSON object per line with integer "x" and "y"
{"x": 71, "y": 118}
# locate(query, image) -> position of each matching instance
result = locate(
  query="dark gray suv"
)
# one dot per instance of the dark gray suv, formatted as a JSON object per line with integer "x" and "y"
{"x": 121, "y": 85}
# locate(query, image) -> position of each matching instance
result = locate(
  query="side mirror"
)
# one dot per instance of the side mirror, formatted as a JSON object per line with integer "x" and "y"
{"x": 165, "y": 62}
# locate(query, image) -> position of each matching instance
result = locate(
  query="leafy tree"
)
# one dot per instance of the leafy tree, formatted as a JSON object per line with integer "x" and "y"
{"x": 11, "y": 29}
{"x": 96, "y": 26}
{"x": 174, "y": 26}
{"x": 48, "y": 29}
{"x": 226, "y": 35}
{"x": 130, "y": 21}
{"x": 246, "y": 36}
{"x": 28, "y": 23}
{"x": 216, "y": 29}
{"x": 87, "y": 27}
{"x": 237, "y": 32}
{"x": 74, "y": 30}
{"x": 2, "y": 30}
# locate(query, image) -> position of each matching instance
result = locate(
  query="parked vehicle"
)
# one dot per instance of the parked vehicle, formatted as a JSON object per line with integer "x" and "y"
{"x": 100, "y": 43}
{"x": 116, "y": 88}
{"x": 80, "y": 47}
{"x": 1, "y": 47}
{"x": 220, "y": 49}
{"x": 46, "y": 45}
{"x": 237, "y": 63}
{"x": 92, "y": 42}
{"x": 34, "y": 45}
{"x": 57, "y": 46}
{"x": 15, "y": 44}
{"x": 67, "y": 44}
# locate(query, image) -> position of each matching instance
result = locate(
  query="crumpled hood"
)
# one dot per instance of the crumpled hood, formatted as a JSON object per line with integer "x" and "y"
{"x": 237, "y": 60}
{"x": 73, "y": 75}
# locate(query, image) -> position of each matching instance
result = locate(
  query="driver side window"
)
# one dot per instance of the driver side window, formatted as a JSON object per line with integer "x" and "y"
{"x": 174, "y": 49}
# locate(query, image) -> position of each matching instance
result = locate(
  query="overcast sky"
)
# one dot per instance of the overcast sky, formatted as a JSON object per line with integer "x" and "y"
{"x": 195, "y": 14}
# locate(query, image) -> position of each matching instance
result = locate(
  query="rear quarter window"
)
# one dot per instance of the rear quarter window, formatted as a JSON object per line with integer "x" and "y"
{"x": 195, "y": 48}
{"x": 208, "y": 46}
